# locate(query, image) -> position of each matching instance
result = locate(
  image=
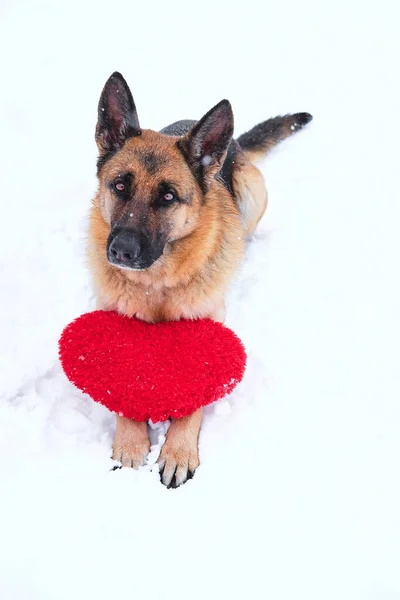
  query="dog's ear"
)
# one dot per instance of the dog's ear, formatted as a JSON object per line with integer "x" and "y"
{"x": 117, "y": 117}
{"x": 205, "y": 145}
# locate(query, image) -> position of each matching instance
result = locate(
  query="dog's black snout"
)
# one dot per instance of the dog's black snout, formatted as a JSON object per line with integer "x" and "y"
{"x": 133, "y": 249}
{"x": 124, "y": 248}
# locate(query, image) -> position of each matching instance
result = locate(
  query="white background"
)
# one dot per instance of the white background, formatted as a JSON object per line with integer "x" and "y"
{"x": 298, "y": 492}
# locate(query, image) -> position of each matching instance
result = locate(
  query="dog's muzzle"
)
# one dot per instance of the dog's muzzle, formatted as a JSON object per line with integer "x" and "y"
{"x": 129, "y": 249}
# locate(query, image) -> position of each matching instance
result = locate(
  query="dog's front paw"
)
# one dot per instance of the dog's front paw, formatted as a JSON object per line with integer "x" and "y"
{"x": 131, "y": 455}
{"x": 178, "y": 462}
{"x": 131, "y": 443}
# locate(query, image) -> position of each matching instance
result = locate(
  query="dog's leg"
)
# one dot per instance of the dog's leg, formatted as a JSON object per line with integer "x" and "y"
{"x": 131, "y": 443}
{"x": 179, "y": 457}
{"x": 250, "y": 193}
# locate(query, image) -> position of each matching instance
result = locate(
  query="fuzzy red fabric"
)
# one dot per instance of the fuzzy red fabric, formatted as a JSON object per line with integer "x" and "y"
{"x": 151, "y": 371}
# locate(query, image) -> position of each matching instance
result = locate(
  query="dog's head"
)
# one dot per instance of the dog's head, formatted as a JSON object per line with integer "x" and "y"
{"x": 153, "y": 186}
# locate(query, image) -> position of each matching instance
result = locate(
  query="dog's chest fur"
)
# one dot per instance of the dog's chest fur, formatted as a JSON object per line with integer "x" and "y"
{"x": 153, "y": 304}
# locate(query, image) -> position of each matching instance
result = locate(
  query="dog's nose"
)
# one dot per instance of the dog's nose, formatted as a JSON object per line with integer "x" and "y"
{"x": 124, "y": 248}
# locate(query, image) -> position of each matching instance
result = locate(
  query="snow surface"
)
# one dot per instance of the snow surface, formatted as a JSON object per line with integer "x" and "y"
{"x": 298, "y": 491}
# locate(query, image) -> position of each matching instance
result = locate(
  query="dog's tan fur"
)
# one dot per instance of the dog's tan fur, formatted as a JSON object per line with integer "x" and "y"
{"x": 206, "y": 241}
{"x": 188, "y": 281}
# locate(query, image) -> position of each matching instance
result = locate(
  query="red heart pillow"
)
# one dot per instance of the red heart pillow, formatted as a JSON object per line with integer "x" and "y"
{"x": 151, "y": 371}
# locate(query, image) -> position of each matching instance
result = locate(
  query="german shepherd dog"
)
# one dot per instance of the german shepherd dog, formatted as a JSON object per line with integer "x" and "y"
{"x": 167, "y": 231}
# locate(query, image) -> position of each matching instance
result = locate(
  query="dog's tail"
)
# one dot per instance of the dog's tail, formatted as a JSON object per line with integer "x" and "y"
{"x": 257, "y": 142}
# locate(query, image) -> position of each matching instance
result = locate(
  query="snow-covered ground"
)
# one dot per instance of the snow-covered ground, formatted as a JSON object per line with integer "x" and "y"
{"x": 298, "y": 491}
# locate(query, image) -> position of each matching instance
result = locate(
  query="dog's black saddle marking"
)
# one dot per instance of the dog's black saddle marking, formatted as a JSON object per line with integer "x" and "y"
{"x": 180, "y": 128}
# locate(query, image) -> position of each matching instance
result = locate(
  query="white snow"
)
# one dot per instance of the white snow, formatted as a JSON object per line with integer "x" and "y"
{"x": 297, "y": 495}
{"x": 206, "y": 160}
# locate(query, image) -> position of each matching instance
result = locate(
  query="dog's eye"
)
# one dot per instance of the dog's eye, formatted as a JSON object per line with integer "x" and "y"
{"x": 122, "y": 185}
{"x": 169, "y": 197}
{"x": 119, "y": 186}
{"x": 166, "y": 195}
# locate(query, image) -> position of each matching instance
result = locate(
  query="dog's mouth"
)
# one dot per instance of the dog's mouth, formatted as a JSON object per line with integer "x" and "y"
{"x": 126, "y": 266}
